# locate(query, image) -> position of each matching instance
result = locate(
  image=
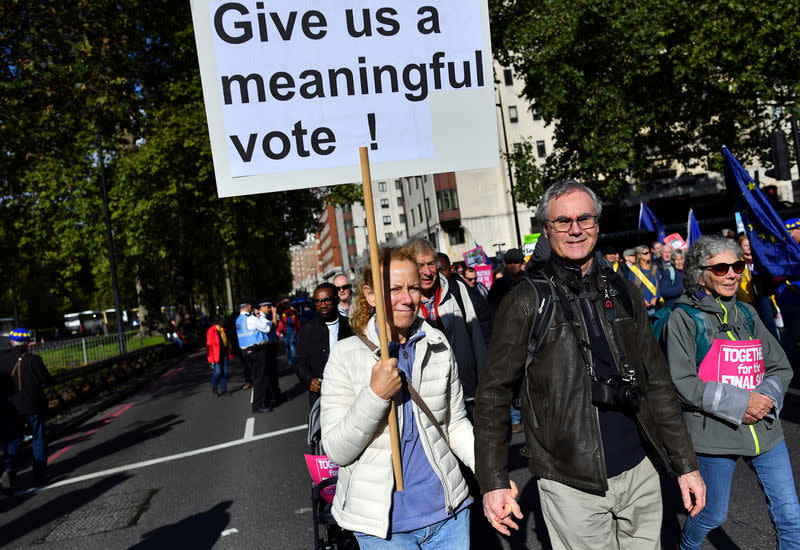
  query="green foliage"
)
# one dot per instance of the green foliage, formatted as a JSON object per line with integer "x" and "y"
{"x": 83, "y": 77}
{"x": 633, "y": 87}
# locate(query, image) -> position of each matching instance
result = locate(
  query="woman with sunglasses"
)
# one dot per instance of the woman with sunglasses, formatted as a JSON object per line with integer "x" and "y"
{"x": 731, "y": 376}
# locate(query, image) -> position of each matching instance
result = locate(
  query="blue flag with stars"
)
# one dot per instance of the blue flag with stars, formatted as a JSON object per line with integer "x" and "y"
{"x": 773, "y": 247}
{"x": 649, "y": 222}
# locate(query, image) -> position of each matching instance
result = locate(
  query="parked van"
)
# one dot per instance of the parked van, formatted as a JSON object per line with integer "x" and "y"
{"x": 84, "y": 323}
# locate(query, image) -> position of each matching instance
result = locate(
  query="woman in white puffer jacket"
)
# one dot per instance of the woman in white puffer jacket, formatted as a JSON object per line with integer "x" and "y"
{"x": 434, "y": 506}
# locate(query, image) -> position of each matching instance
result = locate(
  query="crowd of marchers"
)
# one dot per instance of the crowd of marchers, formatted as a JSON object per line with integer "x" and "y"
{"x": 603, "y": 362}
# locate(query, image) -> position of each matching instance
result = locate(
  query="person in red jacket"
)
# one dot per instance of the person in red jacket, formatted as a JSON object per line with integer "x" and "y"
{"x": 218, "y": 352}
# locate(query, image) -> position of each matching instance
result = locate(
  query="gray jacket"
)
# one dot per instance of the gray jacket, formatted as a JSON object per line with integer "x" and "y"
{"x": 713, "y": 411}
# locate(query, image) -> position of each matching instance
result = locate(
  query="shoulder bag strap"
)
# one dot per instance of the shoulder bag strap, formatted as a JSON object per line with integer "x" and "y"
{"x": 415, "y": 396}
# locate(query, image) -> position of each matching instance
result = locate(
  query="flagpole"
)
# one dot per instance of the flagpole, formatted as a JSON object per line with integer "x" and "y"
{"x": 380, "y": 308}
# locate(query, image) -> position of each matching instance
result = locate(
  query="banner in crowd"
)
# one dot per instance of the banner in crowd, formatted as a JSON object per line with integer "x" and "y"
{"x": 484, "y": 273}
{"x": 475, "y": 256}
{"x": 774, "y": 250}
{"x": 293, "y": 88}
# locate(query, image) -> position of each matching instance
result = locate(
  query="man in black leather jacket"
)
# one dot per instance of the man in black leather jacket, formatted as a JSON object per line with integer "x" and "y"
{"x": 590, "y": 449}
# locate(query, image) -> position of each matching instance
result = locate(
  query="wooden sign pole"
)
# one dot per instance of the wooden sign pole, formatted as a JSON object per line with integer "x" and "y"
{"x": 380, "y": 307}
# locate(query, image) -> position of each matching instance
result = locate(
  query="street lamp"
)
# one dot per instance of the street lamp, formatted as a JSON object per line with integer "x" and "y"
{"x": 499, "y": 247}
{"x": 508, "y": 165}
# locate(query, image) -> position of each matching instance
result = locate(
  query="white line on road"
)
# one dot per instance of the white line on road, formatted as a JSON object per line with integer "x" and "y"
{"x": 249, "y": 427}
{"x": 231, "y": 531}
{"x": 161, "y": 460}
{"x": 251, "y": 396}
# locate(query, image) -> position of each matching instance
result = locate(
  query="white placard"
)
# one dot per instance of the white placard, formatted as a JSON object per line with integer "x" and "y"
{"x": 294, "y": 87}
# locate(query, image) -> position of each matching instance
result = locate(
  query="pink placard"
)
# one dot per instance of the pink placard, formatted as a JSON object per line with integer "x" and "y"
{"x": 484, "y": 273}
{"x": 739, "y": 363}
{"x": 321, "y": 467}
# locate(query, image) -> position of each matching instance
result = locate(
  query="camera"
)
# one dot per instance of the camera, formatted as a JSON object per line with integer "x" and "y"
{"x": 617, "y": 392}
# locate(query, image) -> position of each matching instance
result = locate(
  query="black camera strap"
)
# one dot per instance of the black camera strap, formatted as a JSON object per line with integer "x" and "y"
{"x": 583, "y": 346}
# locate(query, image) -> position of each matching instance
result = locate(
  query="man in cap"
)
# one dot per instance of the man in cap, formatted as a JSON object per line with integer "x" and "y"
{"x": 252, "y": 343}
{"x": 512, "y": 274}
{"x": 789, "y": 302}
{"x": 26, "y": 403}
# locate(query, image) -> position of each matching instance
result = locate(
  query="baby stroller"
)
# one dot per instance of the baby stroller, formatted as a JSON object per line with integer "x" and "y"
{"x": 327, "y": 533}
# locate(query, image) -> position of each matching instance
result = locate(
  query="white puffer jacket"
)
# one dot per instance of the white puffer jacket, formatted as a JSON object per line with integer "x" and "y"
{"x": 355, "y": 430}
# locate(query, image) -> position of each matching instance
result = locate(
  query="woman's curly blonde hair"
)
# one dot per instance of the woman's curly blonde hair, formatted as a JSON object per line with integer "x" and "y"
{"x": 362, "y": 311}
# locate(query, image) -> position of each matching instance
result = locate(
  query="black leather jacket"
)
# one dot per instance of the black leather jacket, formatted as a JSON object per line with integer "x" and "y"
{"x": 561, "y": 423}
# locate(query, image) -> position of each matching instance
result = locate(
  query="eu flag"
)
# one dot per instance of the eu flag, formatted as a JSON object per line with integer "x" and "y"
{"x": 649, "y": 222}
{"x": 692, "y": 229}
{"x": 772, "y": 245}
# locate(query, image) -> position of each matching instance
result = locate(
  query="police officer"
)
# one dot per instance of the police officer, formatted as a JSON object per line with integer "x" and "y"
{"x": 252, "y": 343}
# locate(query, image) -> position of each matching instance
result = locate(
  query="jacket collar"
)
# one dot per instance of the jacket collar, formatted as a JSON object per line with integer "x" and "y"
{"x": 570, "y": 275}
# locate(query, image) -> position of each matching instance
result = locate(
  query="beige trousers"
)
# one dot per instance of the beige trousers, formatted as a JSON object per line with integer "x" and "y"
{"x": 627, "y": 516}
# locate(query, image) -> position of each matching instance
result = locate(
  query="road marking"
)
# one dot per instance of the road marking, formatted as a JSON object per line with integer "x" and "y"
{"x": 303, "y": 510}
{"x": 249, "y": 427}
{"x": 251, "y": 396}
{"x": 161, "y": 460}
{"x": 231, "y": 531}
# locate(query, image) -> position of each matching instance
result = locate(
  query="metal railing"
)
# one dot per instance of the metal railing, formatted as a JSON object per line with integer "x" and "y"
{"x": 78, "y": 352}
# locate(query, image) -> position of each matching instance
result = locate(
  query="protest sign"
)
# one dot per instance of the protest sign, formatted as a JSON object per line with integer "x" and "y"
{"x": 675, "y": 241}
{"x": 739, "y": 363}
{"x": 321, "y": 467}
{"x": 474, "y": 256}
{"x": 294, "y": 87}
{"x": 484, "y": 273}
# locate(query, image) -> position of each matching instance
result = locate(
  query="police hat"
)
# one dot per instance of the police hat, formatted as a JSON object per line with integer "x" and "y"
{"x": 244, "y": 302}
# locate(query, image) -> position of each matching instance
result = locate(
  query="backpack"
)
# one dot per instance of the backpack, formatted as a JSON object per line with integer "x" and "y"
{"x": 702, "y": 343}
{"x": 544, "y": 313}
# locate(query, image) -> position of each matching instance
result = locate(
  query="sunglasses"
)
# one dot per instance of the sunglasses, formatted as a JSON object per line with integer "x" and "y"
{"x": 470, "y": 279}
{"x": 722, "y": 268}
{"x": 323, "y": 300}
{"x": 343, "y": 288}
{"x": 645, "y": 253}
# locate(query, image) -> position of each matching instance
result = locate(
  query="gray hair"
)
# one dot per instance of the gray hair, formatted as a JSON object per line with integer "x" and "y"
{"x": 676, "y": 252}
{"x": 638, "y": 249}
{"x": 559, "y": 189}
{"x": 420, "y": 246}
{"x": 701, "y": 251}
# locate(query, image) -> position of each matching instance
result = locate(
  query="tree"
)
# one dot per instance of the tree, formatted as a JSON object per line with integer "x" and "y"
{"x": 85, "y": 78}
{"x": 634, "y": 87}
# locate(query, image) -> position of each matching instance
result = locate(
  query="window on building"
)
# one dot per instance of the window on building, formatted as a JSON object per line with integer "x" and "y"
{"x": 346, "y": 208}
{"x": 399, "y": 201}
{"x": 417, "y": 181}
{"x": 512, "y": 114}
{"x": 428, "y": 208}
{"x": 446, "y": 199}
{"x": 351, "y": 241}
{"x": 352, "y": 258}
{"x": 384, "y": 203}
{"x": 508, "y": 76}
{"x": 348, "y": 224}
{"x": 382, "y": 186}
{"x": 540, "y": 149}
{"x": 413, "y": 218}
{"x": 402, "y": 218}
{"x": 419, "y": 212}
{"x": 398, "y": 184}
{"x": 387, "y": 236}
{"x": 387, "y": 220}
{"x": 457, "y": 236}
{"x": 536, "y": 115}
{"x": 408, "y": 182}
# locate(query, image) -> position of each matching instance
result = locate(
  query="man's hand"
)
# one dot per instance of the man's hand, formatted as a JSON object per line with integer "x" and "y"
{"x": 692, "y": 485}
{"x": 758, "y": 407}
{"x": 385, "y": 379}
{"x": 498, "y": 505}
{"x": 315, "y": 385}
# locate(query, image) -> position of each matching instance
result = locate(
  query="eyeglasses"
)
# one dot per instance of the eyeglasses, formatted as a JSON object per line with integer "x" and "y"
{"x": 470, "y": 279}
{"x": 343, "y": 288}
{"x": 328, "y": 300}
{"x": 722, "y": 268}
{"x": 584, "y": 221}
